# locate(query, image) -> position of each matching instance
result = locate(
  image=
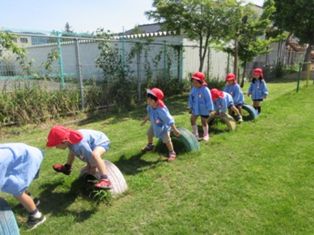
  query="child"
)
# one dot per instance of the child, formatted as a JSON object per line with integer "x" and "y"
{"x": 222, "y": 102}
{"x": 87, "y": 145}
{"x": 233, "y": 88}
{"x": 19, "y": 166}
{"x": 161, "y": 122}
{"x": 258, "y": 89}
{"x": 200, "y": 104}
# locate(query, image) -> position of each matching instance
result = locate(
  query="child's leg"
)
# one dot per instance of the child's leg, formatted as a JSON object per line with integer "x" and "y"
{"x": 150, "y": 138}
{"x": 35, "y": 217}
{"x": 194, "y": 126}
{"x": 167, "y": 140}
{"x": 104, "y": 181}
{"x": 238, "y": 116}
{"x": 27, "y": 202}
{"x": 205, "y": 128}
{"x": 239, "y": 107}
{"x": 99, "y": 163}
{"x": 256, "y": 105}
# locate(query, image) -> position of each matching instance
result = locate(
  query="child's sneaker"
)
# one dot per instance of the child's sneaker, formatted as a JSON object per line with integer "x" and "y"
{"x": 33, "y": 222}
{"x": 172, "y": 156}
{"x": 104, "y": 184}
{"x": 148, "y": 148}
{"x": 65, "y": 169}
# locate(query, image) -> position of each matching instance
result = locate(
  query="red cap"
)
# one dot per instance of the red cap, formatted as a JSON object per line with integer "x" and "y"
{"x": 158, "y": 94}
{"x": 230, "y": 77}
{"x": 199, "y": 76}
{"x": 216, "y": 94}
{"x": 60, "y": 134}
{"x": 258, "y": 72}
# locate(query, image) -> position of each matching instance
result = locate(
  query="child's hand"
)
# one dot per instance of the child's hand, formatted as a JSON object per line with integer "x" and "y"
{"x": 212, "y": 113}
{"x": 176, "y": 132}
{"x": 143, "y": 122}
{"x": 248, "y": 94}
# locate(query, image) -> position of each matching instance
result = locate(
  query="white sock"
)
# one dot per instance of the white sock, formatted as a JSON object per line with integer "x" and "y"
{"x": 37, "y": 215}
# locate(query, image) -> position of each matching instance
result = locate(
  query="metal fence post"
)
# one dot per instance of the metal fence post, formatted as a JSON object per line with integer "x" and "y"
{"x": 165, "y": 59}
{"x": 299, "y": 77}
{"x": 79, "y": 72}
{"x": 61, "y": 68}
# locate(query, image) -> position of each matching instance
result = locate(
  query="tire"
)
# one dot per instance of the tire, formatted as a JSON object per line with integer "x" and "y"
{"x": 119, "y": 184}
{"x": 8, "y": 225}
{"x": 252, "y": 114}
{"x": 186, "y": 142}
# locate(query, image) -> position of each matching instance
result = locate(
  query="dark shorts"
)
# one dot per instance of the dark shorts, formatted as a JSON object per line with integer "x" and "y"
{"x": 259, "y": 100}
{"x": 205, "y": 116}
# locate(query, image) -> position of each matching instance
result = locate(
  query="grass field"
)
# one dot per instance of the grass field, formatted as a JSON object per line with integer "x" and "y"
{"x": 256, "y": 180}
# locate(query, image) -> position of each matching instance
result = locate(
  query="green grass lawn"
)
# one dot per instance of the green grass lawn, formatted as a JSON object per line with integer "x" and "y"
{"x": 256, "y": 180}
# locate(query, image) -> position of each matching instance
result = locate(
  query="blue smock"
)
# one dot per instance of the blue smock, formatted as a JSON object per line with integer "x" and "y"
{"x": 235, "y": 91}
{"x": 200, "y": 101}
{"x": 91, "y": 139}
{"x": 161, "y": 120}
{"x": 222, "y": 104}
{"x": 258, "y": 89}
{"x": 19, "y": 164}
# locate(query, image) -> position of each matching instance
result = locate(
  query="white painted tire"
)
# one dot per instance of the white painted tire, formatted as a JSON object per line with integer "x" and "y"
{"x": 119, "y": 184}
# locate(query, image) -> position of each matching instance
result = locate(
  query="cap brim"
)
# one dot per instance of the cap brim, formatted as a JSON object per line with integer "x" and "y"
{"x": 149, "y": 91}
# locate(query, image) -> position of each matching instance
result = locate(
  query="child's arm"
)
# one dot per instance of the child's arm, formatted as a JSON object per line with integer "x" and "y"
{"x": 265, "y": 90}
{"x": 175, "y": 131}
{"x": 71, "y": 158}
{"x": 250, "y": 90}
{"x": 144, "y": 120}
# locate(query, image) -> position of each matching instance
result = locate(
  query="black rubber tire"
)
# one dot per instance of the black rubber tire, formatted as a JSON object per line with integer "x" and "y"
{"x": 8, "y": 225}
{"x": 252, "y": 114}
{"x": 186, "y": 142}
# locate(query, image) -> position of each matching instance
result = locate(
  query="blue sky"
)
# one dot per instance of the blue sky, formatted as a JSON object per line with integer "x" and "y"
{"x": 82, "y": 15}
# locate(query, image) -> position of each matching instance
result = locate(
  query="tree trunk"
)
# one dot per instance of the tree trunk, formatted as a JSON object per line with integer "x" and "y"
{"x": 235, "y": 62}
{"x": 243, "y": 74}
{"x": 307, "y": 57}
{"x": 203, "y": 51}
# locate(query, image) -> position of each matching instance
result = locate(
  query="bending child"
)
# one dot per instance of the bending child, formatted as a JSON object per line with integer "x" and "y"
{"x": 19, "y": 166}
{"x": 87, "y": 145}
{"x": 222, "y": 102}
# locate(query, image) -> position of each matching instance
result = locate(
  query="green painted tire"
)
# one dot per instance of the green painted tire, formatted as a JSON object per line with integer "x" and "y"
{"x": 8, "y": 225}
{"x": 186, "y": 142}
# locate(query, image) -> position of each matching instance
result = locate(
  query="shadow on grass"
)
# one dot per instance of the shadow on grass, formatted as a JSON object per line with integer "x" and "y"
{"x": 58, "y": 203}
{"x": 135, "y": 164}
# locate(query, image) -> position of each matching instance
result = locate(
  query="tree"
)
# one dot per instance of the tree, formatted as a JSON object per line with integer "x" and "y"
{"x": 252, "y": 33}
{"x": 67, "y": 28}
{"x": 7, "y": 43}
{"x": 201, "y": 20}
{"x": 297, "y": 17}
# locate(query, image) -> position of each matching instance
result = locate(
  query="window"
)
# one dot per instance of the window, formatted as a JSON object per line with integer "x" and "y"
{"x": 23, "y": 40}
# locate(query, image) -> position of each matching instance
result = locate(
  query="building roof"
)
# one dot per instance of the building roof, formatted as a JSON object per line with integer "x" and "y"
{"x": 144, "y": 28}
